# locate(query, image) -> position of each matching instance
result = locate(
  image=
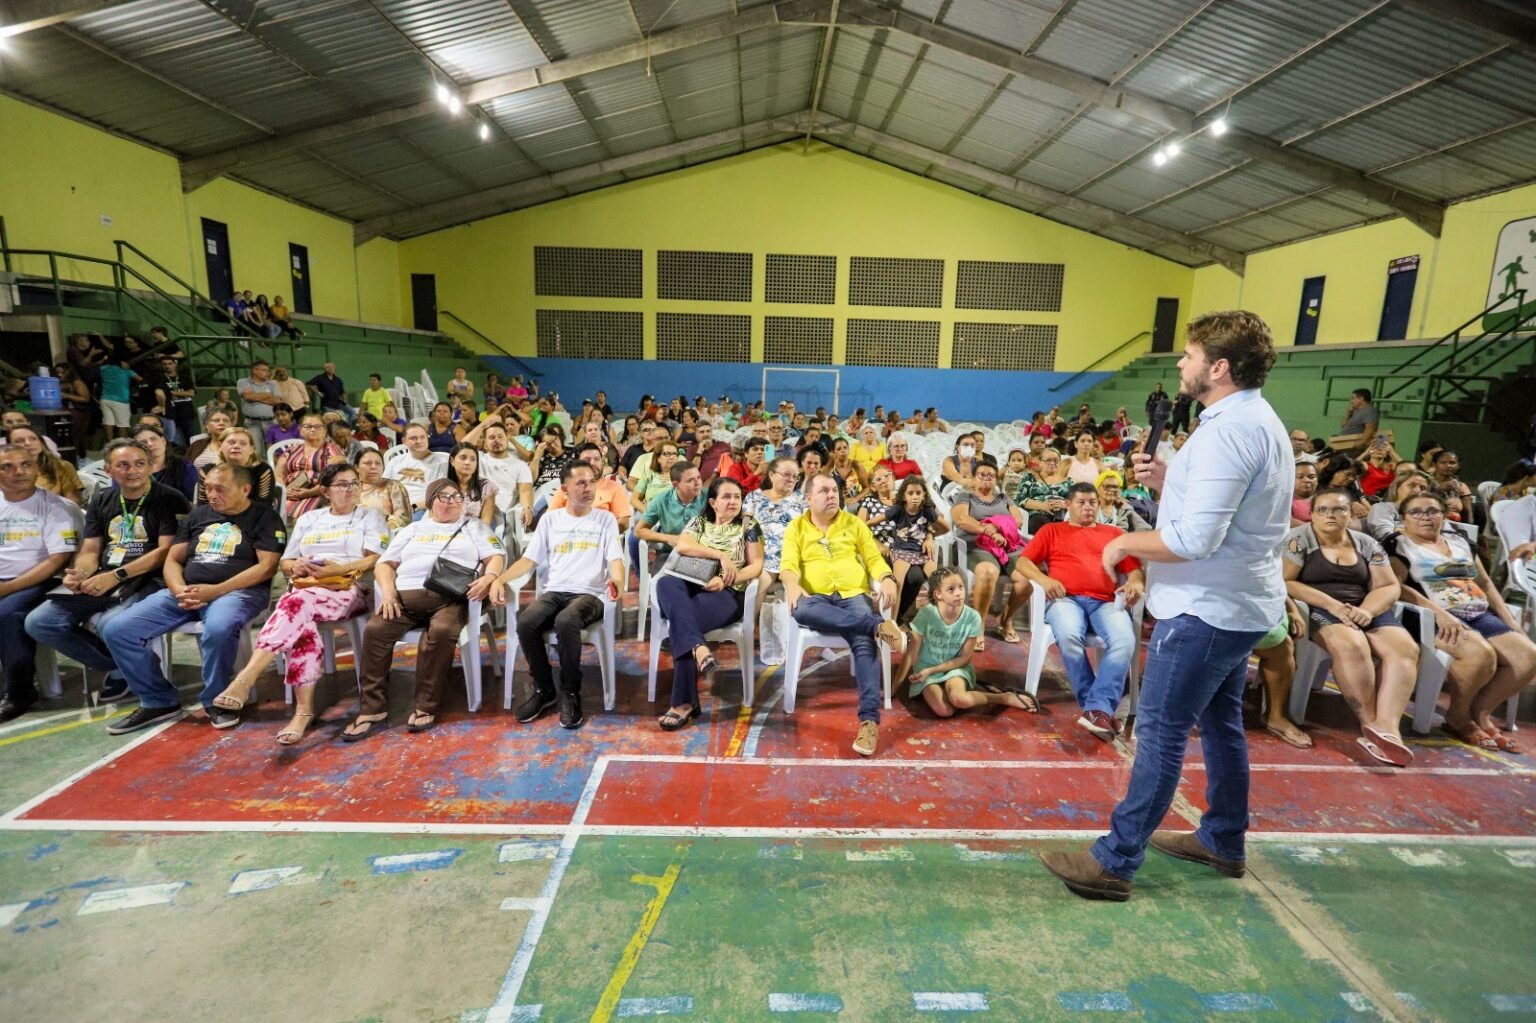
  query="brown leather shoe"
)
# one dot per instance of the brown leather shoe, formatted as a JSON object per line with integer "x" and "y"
{"x": 1184, "y": 845}
{"x": 1081, "y": 873}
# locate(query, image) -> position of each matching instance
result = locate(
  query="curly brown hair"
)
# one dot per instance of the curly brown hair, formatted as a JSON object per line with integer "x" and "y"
{"x": 1238, "y": 336}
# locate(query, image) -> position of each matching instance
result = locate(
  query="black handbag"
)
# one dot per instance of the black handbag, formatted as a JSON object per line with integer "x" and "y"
{"x": 451, "y": 580}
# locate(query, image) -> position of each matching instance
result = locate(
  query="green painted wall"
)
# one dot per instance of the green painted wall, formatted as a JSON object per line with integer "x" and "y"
{"x": 786, "y": 200}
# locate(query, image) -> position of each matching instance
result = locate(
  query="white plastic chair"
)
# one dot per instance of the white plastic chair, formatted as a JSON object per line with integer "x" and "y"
{"x": 352, "y": 628}
{"x": 1042, "y": 638}
{"x": 603, "y": 635}
{"x": 393, "y": 452}
{"x": 195, "y": 628}
{"x": 798, "y": 639}
{"x": 1313, "y": 664}
{"x": 277, "y": 452}
{"x": 468, "y": 647}
{"x": 428, "y": 389}
{"x": 741, "y": 632}
{"x": 646, "y": 547}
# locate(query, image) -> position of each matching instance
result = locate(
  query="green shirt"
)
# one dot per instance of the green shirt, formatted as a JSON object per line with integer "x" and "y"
{"x": 666, "y": 514}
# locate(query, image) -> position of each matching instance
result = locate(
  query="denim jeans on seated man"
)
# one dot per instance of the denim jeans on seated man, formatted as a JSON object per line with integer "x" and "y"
{"x": 128, "y": 637}
{"x": 1194, "y": 675}
{"x": 855, "y": 620}
{"x": 18, "y": 650}
{"x": 1070, "y": 619}
{"x": 74, "y": 629}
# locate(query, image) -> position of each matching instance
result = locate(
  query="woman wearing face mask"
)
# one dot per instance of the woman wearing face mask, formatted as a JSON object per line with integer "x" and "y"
{"x": 1085, "y": 465}
{"x": 959, "y": 469}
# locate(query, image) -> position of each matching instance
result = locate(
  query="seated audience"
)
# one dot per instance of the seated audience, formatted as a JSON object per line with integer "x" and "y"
{"x": 577, "y": 548}
{"x": 1301, "y": 496}
{"x": 303, "y": 463}
{"x": 994, "y": 529}
{"x": 940, "y": 650}
{"x": 1301, "y": 447}
{"x": 39, "y": 538}
{"x": 652, "y": 476}
{"x": 238, "y": 448}
{"x": 368, "y": 432}
{"x": 1083, "y": 597}
{"x": 418, "y": 467}
{"x": 609, "y": 493}
{"x": 914, "y": 522}
{"x": 203, "y": 451}
{"x": 1043, "y": 494}
{"x": 670, "y": 513}
{"x": 721, "y": 532}
{"x": 407, "y": 600}
{"x": 1376, "y": 470}
{"x": 773, "y": 506}
{"x": 52, "y": 473}
{"x": 1491, "y": 659}
{"x": 1276, "y": 653}
{"x": 896, "y": 458}
{"x": 1384, "y": 520}
{"x": 385, "y": 496}
{"x": 479, "y": 492}
{"x": 219, "y": 572}
{"x": 165, "y": 462}
{"x": 283, "y": 427}
{"x": 959, "y": 469}
{"x": 829, "y": 564}
{"x": 128, "y": 531}
{"x": 841, "y": 464}
{"x": 550, "y": 457}
{"x": 1447, "y": 466}
{"x": 510, "y": 473}
{"x": 1114, "y": 510}
{"x": 870, "y": 450}
{"x": 329, "y": 555}
{"x": 442, "y": 434}
{"x": 1358, "y": 427}
{"x": 1344, "y": 578}
{"x": 748, "y": 470}
{"x": 1085, "y": 465}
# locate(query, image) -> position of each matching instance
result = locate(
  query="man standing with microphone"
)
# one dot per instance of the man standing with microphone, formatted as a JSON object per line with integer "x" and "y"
{"x": 1214, "y": 584}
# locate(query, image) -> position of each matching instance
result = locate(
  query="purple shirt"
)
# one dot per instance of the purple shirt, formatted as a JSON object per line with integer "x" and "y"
{"x": 276, "y": 433}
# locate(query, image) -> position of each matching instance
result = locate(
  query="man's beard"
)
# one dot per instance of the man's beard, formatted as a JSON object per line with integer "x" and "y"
{"x": 1196, "y": 391}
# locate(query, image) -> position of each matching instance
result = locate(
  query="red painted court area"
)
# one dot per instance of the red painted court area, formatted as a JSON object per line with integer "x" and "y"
{"x": 999, "y": 770}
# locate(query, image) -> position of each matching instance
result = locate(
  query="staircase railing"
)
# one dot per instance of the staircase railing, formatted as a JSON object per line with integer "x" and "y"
{"x": 1113, "y": 351}
{"x": 1448, "y": 360}
{"x": 455, "y": 317}
{"x": 195, "y": 299}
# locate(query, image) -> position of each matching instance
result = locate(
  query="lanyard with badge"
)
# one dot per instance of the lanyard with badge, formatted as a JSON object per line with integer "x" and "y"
{"x": 128, "y": 521}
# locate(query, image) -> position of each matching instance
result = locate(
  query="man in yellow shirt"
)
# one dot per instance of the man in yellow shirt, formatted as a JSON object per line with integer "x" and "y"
{"x": 375, "y": 398}
{"x": 830, "y": 561}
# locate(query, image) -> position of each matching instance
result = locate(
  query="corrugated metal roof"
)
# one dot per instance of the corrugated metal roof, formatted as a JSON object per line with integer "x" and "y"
{"x": 1381, "y": 88}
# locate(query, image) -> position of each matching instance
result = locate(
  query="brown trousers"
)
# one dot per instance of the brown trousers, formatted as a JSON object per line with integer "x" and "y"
{"x": 441, "y": 620}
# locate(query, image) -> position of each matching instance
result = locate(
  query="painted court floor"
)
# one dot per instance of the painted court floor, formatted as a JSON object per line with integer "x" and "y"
{"x": 749, "y": 868}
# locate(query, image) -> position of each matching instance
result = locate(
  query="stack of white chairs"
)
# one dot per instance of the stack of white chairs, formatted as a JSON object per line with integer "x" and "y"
{"x": 428, "y": 389}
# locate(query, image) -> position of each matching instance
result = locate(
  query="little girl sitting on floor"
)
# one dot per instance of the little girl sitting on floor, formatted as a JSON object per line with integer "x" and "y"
{"x": 938, "y": 655}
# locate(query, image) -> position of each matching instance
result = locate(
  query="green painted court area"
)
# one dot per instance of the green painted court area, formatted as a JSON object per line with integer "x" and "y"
{"x": 876, "y": 931}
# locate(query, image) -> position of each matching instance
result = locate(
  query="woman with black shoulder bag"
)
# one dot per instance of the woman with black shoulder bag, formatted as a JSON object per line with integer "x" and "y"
{"x": 434, "y": 567}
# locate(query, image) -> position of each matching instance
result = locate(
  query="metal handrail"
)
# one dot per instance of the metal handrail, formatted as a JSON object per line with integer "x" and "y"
{"x": 118, "y": 269}
{"x": 192, "y": 293}
{"x": 484, "y": 337}
{"x": 1454, "y": 336}
{"x": 1114, "y": 351}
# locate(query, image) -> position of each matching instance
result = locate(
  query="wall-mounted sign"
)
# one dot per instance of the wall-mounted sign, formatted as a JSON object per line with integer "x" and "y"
{"x": 1514, "y": 271}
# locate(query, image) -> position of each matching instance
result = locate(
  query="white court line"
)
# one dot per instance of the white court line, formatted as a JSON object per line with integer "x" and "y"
{"x": 755, "y": 732}
{"x": 279, "y": 827}
{"x": 81, "y": 713}
{"x": 100, "y": 762}
{"x": 506, "y": 999}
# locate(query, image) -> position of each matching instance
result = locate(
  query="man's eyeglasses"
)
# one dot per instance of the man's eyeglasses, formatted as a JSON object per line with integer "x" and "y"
{"x": 451, "y": 498}
{"x": 349, "y": 485}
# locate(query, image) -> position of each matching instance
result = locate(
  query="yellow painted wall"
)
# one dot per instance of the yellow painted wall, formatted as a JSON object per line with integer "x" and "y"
{"x": 1466, "y": 255}
{"x": 826, "y": 202}
{"x": 378, "y": 282}
{"x": 260, "y": 228}
{"x": 59, "y": 178}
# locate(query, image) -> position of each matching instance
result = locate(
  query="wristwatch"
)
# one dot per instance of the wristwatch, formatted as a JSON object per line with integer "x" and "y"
{"x": 120, "y": 574}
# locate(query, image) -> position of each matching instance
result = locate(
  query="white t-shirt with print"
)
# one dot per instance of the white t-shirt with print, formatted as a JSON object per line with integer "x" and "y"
{"x": 323, "y": 536}
{"x": 576, "y": 550}
{"x": 33, "y": 529}
{"x": 414, "y": 474}
{"x": 416, "y": 547}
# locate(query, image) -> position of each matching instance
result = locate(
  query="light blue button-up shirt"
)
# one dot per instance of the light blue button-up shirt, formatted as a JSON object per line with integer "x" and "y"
{"x": 1225, "y": 507}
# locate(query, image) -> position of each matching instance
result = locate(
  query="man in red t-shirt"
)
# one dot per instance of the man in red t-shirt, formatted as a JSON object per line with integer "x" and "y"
{"x": 749, "y": 471}
{"x": 1082, "y": 595}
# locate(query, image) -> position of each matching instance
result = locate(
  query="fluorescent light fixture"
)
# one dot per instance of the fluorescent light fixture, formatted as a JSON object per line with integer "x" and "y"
{"x": 485, "y": 132}
{"x": 1218, "y": 127}
{"x": 1173, "y": 149}
{"x": 443, "y": 94}
{"x": 1159, "y": 158}
{"x": 455, "y": 104}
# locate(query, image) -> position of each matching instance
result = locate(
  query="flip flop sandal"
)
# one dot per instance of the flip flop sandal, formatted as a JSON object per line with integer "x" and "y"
{"x": 1475, "y": 737}
{"x": 1031, "y": 703}
{"x": 1391, "y": 745}
{"x": 1376, "y": 754}
{"x": 288, "y": 736}
{"x": 707, "y": 667}
{"x": 1289, "y": 739}
{"x": 369, "y": 728}
{"x": 1505, "y": 743}
{"x": 420, "y": 722}
{"x": 1009, "y": 635}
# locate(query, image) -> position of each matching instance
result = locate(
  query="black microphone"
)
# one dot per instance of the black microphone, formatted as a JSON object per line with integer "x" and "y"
{"x": 1160, "y": 413}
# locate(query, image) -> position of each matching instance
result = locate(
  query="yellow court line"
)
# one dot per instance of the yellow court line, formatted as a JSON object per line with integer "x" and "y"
{"x": 59, "y": 728}
{"x": 744, "y": 717}
{"x": 631, "y": 957}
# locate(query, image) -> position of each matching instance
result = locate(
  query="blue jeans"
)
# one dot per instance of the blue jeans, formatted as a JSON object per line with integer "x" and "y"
{"x": 66, "y": 629}
{"x": 691, "y": 611}
{"x": 18, "y": 651}
{"x": 1069, "y": 619}
{"x": 854, "y": 619}
{"x": 1194, "y": 674}
{"x": 128, "y": 637}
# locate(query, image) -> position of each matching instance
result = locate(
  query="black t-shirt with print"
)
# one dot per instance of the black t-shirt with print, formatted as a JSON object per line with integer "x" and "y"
{"x": 223, "y": 546}
{"x": 154, "y": 516}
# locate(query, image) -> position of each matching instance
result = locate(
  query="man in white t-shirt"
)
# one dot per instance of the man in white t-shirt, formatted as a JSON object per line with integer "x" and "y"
{"x": 514, "y": 482}
{"x": 38, "y": 536}
{"x": 578, "y": 548}
{"x": 418, "y": 467}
